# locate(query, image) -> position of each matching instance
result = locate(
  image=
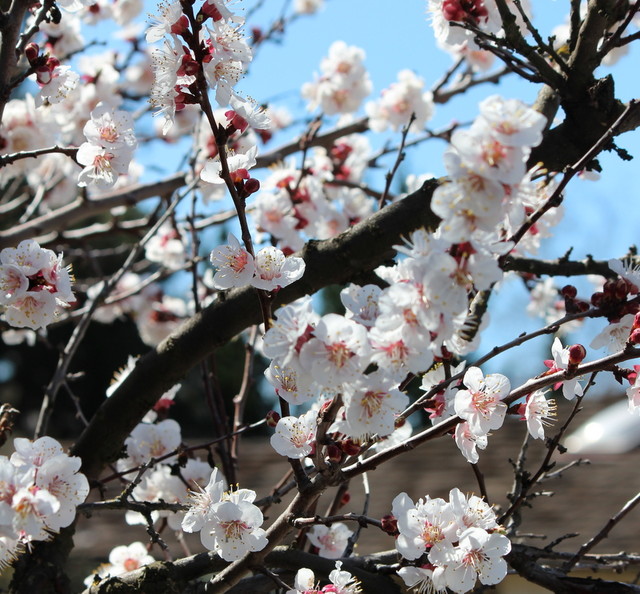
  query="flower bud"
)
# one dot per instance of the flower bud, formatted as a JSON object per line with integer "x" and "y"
{"x": 634, "y": 338}
{"x": 390, "y": 524}
{"x": 31, "y": 52}
{"x": 349, "y": 447}
{"x": 569, "y": 291}
{"x": 577, "y": 353}
{"x": 334, "y": 453}
{"x": 272, "y": 418}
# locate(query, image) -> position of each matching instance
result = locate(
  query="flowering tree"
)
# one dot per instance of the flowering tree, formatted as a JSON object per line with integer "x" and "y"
{"x": 417, "y": 260}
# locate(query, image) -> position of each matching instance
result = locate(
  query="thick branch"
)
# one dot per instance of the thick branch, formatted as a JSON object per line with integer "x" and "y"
{"x": 333, "y": 261}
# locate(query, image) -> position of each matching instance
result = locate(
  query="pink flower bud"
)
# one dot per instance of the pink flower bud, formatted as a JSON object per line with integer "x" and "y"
{"x": 577, "y": 353}
{"x": 31, "y": 52}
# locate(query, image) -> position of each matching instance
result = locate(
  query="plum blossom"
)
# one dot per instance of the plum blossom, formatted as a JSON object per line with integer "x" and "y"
{"x": 274, "y": 270}
{"x": 570, "y": 387}
{"x": 55, "y": 81}
{"x": 422, "y": 525}
{"x": 481, "y": 403}
{"x": 361, "y": 303}
{"x": 615, "y": 335}
{"x": 235, "y": 265}
{"x": 201, "y": 502}
{"x": 122, "y": 559}
{"x": 478, "y": 554}
{"x": 167, "y": 247}
{"x": 109, "y": 147}
{"x": 427, "y": 579}
{"x": 291, "y": 383}
{"x": 149, "y": 441}
{"x": 341, "y": 582}
{"x": 399, "y": 102}
{"x": 344, "y": 82}
{"x": 537, "y": 411}
{"x": 40, "y": 489}
{"x": 512, "y": 122}
{"x": 233, "y": 526}
{"x": 34, "y": 285}
{"x": 330, "y": 540}
{"x": 372, "y": 403}
{"x": 633, "y": 394}
{"x": 468, "y": 443}
{"x": 294, "y": 437}
{"x": 238, "y": 165}
{"x": 338, "y": 352}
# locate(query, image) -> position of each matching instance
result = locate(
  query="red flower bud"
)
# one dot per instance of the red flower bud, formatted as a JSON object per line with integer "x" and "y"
{"x": 577, "y": 353}
{"x": 349, "y": 447}
{"x": 390, "y": 525}
{"x": 31, "y": 52}
{"x": 569, "y": 291}
{"x": 334, "y": 453}
{"x": 272, "y": 418}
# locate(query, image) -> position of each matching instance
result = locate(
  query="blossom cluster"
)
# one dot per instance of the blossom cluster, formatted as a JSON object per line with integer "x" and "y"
{"x": 344, "y": 82}
{"x": 228, "y": 521}
{"x": 269, "y": 270}
{"x": 226, "y": 55}
{"x": 34, "y": 285}
{"x": 341, "y": 582}
{"x": 490, "y": 193}
{"x": 109, "y": 148}
{"x": 40, "y": 488}
{"x": 460, "y": 538}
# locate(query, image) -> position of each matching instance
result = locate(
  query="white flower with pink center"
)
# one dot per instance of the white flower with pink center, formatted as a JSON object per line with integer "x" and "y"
{"x": 102, "y": 165}
{"x": 274, "y": 270}
{"x": 330, "y": 540}
{"x": 201, "y": 502}
{"x": 468, "y": 443}
{"x": 55, "y": 84}
{"x": 511, "y": 122}
{"x": 422, "y": 525}
{"x": 295, "y": 437}
{"x": 570, "y": 388}
{"x": 235, "y": 265}
{"x": 538, "y": 412}
{"x": 633, "y": 393}
{"x": 361, "y": 303}
{"x": 344, "y": 82}
{"x": 292, "y": 329}
{"x": 110, "y": 128}
{"x": 372, "y": 404}
{"x": 427, "y": 579}
{"x": 291, "y": 383}
{"x": 233, "y": 528}
{"x": 481, "y": 403}
{"x": 339, "y": 351}
{"x": 398, "y": 102}
{"x": 149, "y": 441}
{"x": 477, "y": 555}
{"x": 471, "y": 511}
{"x": 167, "y": 247}
{"x": 34, "y": 285}
{"x": 238, "y": 164}
{"x": 488, "y": 157}
{"x": 126, "y": 558}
